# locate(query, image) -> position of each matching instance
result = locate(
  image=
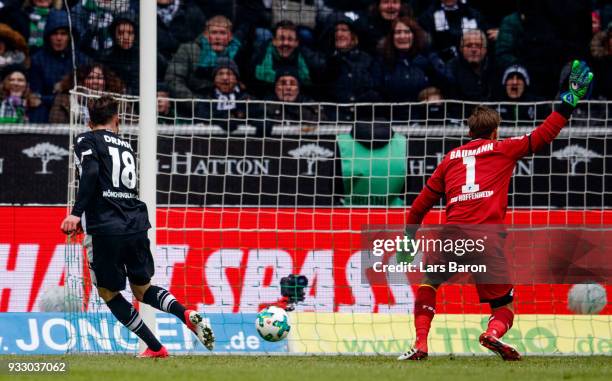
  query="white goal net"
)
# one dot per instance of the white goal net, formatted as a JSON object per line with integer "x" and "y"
{"x": 248, "y": 198}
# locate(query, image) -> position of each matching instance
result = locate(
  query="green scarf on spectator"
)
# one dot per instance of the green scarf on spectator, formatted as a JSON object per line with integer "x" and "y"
{"x": 10, "y": 114}
{"x": 90, "y": 5}
{"x": 265, "y": 71}
{"x": 208, "y": 57}
{"x": 100, "y": 25}
{"x": 11, "y": 119}
{"x": 38, "y": 19}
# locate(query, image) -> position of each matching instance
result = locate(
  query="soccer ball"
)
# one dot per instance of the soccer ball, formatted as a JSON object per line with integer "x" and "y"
{"x": 272, "y": 324}
{"x": 60, "y": 299}
{"x": 587, "y": 298}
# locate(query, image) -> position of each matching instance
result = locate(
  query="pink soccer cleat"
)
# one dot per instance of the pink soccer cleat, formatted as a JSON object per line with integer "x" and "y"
{"x": 149, "y": 353}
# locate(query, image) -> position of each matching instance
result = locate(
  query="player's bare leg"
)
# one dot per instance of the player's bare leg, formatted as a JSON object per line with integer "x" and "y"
{"x": 424, "y": 311}
{"x": 499, "y": 323}
{"x": 125, "y": 312}
{"x": 163, "y": 300}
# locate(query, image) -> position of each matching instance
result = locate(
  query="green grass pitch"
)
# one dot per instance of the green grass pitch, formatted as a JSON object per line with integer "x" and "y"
{"x": 304, "y": 368}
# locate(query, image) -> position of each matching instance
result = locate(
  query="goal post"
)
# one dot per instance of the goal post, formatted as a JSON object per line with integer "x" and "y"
{"x": 147, "y": 135}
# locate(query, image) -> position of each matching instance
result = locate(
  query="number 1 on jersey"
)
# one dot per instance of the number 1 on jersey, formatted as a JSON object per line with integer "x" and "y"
{"x": 128, "y": 175}
{"x": 470, "y": 175}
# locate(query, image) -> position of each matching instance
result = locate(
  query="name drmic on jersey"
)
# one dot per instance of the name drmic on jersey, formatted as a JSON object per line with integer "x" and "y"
{"x": 117, "y": 141}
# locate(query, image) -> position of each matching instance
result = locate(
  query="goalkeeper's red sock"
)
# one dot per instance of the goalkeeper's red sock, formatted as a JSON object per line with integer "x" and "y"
{"x": 500, "y": 321}
{"x": 424, "y": 311}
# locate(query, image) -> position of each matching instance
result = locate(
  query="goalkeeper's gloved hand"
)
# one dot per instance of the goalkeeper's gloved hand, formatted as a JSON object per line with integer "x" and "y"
{"x": 402, "y": 256}
{"x": 579, "y": 81}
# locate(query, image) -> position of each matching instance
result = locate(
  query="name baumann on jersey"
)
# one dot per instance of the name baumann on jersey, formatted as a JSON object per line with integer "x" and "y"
{"x": 107, "y": 200}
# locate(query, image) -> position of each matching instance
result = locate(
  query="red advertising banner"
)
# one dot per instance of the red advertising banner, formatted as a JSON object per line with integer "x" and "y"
{"x": 231, "y": 259}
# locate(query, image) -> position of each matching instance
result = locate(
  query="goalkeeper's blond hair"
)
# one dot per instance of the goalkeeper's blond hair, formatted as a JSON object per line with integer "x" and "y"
{"x": 483, "y": 122}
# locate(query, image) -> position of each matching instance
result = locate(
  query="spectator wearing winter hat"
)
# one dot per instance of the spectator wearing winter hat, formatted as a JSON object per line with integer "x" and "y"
{"x": 51, "y": 63}
{"x": 471, "y": 74}
{"x": 287, "y": 87}
{"x": 19, "y": 104}
{"x": 123, "y": 58}
{"x": 36, "y": 13}
{"x": 226, "y": 107}
{"x": 190, "y": 72}
{"x": 13, "y": 48}
{"x": 291, "y": 106}
{"x": 226, "y": 78}
{"x": 515, "y": 83}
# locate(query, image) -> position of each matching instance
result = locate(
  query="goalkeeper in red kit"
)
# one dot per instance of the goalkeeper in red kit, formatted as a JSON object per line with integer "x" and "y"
{"x": 475, "y": 179}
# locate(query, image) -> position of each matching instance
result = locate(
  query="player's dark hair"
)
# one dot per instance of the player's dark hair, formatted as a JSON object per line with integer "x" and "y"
{"x": 483, "y": 122}
{"x": 102, "y": 110}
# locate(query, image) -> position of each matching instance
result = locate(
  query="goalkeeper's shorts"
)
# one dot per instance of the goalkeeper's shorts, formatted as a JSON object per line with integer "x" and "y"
{"x": 492, "y": 285}
{"x": 113, "y": 258}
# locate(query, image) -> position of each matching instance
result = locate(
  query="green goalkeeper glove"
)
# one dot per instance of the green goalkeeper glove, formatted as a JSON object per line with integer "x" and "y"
{"x": 579, "y": 81}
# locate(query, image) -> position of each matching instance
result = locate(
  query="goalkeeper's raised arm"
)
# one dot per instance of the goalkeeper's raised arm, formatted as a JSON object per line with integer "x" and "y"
{"x": 579, "y": 82}
{"x": 476, "y": 187}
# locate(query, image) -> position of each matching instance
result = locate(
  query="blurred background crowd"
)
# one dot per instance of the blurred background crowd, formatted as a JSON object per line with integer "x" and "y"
{"x": 300, "y": 51}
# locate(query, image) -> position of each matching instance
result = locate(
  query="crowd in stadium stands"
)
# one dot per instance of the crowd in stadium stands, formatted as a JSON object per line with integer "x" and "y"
{"x": 300, "y": 51}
